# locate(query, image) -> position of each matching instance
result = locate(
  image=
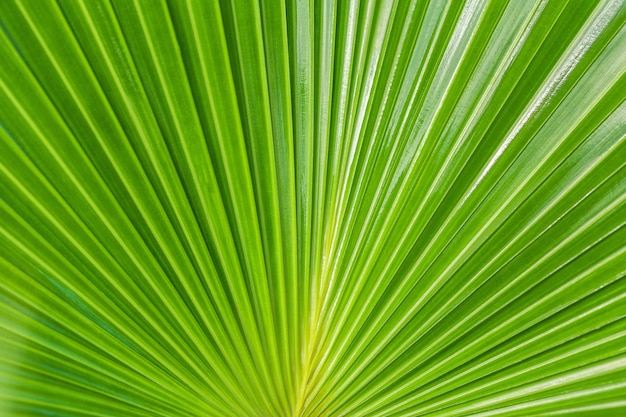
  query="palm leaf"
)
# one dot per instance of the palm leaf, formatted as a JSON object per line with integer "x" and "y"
{"x": 312, "y": 208}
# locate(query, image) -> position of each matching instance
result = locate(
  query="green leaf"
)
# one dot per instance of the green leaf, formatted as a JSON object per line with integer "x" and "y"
{"x": 312, "y": 208}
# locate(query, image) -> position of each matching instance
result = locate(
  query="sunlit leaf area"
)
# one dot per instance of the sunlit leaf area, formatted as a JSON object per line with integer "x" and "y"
{"x": 312, "y": 208}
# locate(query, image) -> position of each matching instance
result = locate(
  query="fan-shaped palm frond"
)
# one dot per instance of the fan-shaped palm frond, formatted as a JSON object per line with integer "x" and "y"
{"x": 312, "y": 208}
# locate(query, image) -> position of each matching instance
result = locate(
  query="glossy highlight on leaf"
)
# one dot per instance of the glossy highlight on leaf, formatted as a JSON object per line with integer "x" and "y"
{"x": 312, "y": 208}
